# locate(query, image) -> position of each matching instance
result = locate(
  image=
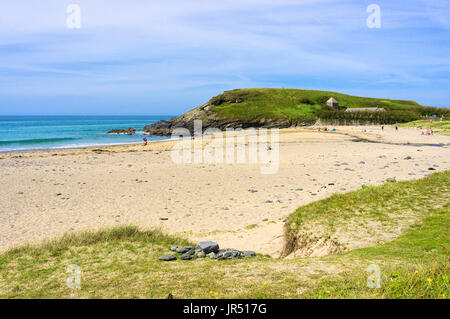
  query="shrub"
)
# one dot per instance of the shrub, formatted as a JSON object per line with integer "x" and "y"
{"x": 387, "y": 117}
{"x": 306, "y": 100}
{"x": 322, "y": 100}
{"x": 234, "y": 96}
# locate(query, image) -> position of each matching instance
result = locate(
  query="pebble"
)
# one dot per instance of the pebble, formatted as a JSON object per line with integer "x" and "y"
{"x": 167, "y": 257}
{"x": 208, "y": 246}
{"x": 184, "y": 249}
{"x": 211, "y": 255}
{"x": 186, "y": 256}
{"x": 249, "y": 253}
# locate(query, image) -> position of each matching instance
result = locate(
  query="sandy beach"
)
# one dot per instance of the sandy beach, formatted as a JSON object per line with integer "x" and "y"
{"x": 46, "y": 193}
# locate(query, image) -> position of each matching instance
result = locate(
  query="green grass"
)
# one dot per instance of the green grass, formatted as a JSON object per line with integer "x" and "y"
{"x": 123, "y": 262}
{"x": 440, "y": 127}
{"x": 415, "y": 265}
{"x": 289, "y": 103}
{"x": 367, "y": 214}
{"x": 303, "y": 107}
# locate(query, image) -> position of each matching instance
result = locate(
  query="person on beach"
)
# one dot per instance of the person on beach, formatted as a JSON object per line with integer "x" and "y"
{"x": 396, "y": 128}
{"x": 382, "y": 127}
{"x": 145, "y": 141}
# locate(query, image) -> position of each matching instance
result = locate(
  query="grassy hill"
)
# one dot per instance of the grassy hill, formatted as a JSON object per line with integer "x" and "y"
{"x": 280, "y": 108}
{"x": 123, "y": 262}
{"x": 297, "y": 105}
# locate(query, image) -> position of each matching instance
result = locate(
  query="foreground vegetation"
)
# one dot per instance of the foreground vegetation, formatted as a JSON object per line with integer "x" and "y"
{"x": 123, "y": 262}
{"x": 306, "y": 106}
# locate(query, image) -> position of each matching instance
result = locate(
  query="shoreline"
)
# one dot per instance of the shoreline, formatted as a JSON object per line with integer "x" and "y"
{"x": 81, "y": 148}
{"x": 363, "y": 136}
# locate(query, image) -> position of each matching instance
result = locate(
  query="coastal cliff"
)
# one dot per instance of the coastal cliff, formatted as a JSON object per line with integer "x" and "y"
{"x": 211, "y": 116}
{"x": 209, "y": 119}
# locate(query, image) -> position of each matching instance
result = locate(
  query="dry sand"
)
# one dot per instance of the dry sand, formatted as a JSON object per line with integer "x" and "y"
{"x": 44, "y": 194}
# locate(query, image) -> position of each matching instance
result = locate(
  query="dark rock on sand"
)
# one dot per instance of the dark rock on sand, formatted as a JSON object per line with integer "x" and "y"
{"x": 212, "y": 255}
{"x": 184, "y": 249}
{"x": 229, "y": 254}
{"x": 207, "y": 249}
{"x": 208, "y": 246}
{"x": 167, "y": 257}
{"x": 186, "y": 256}
{"x": 159, "y": 128}
{"x": 129, "y": 131}
{"x": 249, "y": 253}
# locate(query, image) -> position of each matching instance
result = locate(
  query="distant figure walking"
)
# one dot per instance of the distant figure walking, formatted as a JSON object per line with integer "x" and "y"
{"x": 396, "y": 128}
{"x": 382, "y": 127}
{"x": 145, "y": 141}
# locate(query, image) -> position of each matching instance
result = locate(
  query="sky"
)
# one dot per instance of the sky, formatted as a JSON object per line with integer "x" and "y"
{"x": 165, "y": 57}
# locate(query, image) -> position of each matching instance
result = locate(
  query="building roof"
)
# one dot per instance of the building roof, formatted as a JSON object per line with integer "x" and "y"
{"x": 362, "y": 109}
{"x": 331, "y": 100}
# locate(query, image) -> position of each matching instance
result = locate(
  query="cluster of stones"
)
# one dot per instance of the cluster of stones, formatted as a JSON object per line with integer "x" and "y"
{"x": 129, "y": 131}
{"x": 206, "y": 249}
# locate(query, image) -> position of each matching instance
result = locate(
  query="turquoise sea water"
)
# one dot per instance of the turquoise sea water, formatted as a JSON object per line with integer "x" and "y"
{"x": 37, "y": 132}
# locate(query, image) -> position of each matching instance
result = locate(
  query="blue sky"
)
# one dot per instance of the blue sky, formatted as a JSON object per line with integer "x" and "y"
{"x": 165, "y": 57}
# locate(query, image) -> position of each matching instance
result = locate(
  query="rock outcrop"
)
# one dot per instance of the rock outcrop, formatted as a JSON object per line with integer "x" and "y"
{"x": 210, "y": 119}
{"x": 129, "y": 131}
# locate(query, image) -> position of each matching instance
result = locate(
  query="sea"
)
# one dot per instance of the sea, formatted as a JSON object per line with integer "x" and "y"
{"x": 47, "y": 132}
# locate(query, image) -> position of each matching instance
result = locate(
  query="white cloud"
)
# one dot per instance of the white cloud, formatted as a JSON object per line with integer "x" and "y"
{"x": 136, "y": 46}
